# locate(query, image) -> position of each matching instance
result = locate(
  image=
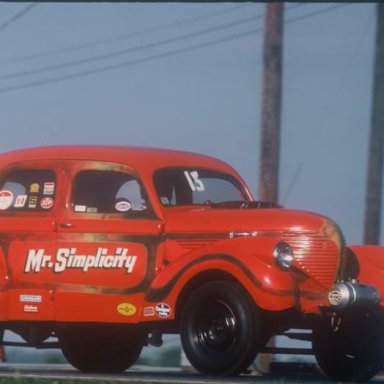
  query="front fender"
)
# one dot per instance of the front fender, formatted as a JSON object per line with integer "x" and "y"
{"x": 370, "y": 266}
{"x": 270, "y": 287}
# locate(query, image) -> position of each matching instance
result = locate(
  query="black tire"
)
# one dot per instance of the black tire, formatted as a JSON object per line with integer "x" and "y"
{"x": 100, "y": 350}
{"x": 351, "y": 351}
{"x": 219, "y": 329}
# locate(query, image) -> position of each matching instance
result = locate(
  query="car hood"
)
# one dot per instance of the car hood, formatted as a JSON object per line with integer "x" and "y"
{"x": 241, "y": 220}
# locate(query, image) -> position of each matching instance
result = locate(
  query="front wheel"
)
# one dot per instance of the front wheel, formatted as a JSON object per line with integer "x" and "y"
{"x": 99, "y": 349}
{"x": 350, "y": 348}
{"x": 220, "y": 328}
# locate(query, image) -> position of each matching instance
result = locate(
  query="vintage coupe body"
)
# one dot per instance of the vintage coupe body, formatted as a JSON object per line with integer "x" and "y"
{"x": 106, "y": 248}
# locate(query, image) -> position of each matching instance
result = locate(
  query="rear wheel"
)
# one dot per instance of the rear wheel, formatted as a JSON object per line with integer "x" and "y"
{"x": 220, "y": 327}
{"x": 97, "y": 349}
{"x": 350, "y": 348}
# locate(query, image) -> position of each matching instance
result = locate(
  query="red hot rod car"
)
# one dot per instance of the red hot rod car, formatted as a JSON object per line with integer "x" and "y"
{"x": 106, "y": 248}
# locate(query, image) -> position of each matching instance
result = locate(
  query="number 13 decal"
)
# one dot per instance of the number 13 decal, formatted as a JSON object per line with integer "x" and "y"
{"x": 194, "y": 182}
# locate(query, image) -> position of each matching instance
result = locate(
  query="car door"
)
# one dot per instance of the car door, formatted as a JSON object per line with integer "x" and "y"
{"x": 108, "y": 244}
{"x": 30, "y": 197}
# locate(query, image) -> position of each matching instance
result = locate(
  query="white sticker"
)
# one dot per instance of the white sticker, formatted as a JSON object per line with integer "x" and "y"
{"x": 46, "y": 203}
{"x": 30, "y": 298}
{"x": 163, "y": 310}
{"x": 32, "y": 202}
{"x": 20, "y": 201}
{"x": 80, "y": 208}
{"x": 6, "y": 199}
{"x": 123, "y": 206}
{"x": 49, "y": 188}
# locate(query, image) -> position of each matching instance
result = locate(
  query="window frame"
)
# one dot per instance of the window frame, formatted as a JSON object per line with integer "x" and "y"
{"x": 236, "y": 183}
{"x": 147, "y": 213}
{"x": 51, "y": 196}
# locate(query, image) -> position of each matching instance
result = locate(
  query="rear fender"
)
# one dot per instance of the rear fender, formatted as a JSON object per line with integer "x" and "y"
{"x": 270, "y": 287}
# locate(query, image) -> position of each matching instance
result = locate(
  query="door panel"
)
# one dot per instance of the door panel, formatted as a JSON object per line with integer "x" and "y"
{"x": 107, "y": 245}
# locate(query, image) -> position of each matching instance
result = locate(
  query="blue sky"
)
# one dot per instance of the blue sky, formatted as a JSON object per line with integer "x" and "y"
{"x": 188, "y": 76}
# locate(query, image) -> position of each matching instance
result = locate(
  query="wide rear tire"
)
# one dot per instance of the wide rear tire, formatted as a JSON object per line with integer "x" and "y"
{"x": 220, "y": 327}
{"x": 100, "y": 350}
{"x": 352, "y": 350}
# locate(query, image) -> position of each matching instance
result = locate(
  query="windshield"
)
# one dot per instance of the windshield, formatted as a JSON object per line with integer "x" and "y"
{"x": 193, "y": 186}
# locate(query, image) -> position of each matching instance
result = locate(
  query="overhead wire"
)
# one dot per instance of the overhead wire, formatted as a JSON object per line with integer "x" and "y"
{"x": 112, "y": 39}
{"x": 128, "y": 63}
{"x": 155, "y": 56}
{"x": 129, "y": 50}
{"x": 17, "y": 16}
{"x": 124, "y": 36}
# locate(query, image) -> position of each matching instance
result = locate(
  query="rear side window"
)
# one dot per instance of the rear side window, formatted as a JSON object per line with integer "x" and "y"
{"x": 108, "y": 192}
{"x": 28, "y": 190}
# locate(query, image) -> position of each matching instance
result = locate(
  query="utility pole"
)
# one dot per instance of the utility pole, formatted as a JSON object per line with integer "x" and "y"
{"x": 270, "y": 122}
{"x": 271, "y": 102}
{"x": 375, "y": 160}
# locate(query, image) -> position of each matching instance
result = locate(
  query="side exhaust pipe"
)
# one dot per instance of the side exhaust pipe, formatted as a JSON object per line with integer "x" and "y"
{"x": 353, "y": 294}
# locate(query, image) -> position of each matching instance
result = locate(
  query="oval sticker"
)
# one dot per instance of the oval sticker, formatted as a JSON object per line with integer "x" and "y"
{"x": 6, "y": 199}
{"x": 46, "y": 203}
{"x": 126, "y": 309}
{"x": 123, "y": 206}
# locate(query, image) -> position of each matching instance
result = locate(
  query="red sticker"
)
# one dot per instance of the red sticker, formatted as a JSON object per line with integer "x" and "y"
{"x": 46, "y": 203}
{"x": 6, "y": 199}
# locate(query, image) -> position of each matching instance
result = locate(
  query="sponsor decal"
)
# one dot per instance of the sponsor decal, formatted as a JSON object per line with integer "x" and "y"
{"x": 6, "y": 199}
{"x": 46, "y": 203}
{"x": 32, "y": 202}
{"x": 123, "y": 206}
{"x": 49, "y": 188}
{"x": 20, "y": 201}
{"x": 148, "y": 311}
{"x": 29, "y": 308}
{"x": 80, "y": 208}
{"x": 30, "y": 298}
{"x": 35, "y": 188}
{"x": 68, "y": 258}
{"x": 163, "y": 310}
{"x": 126, "y": 309}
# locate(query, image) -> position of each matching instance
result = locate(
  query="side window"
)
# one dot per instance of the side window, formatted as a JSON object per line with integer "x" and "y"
{"x": 28, "y": 190}
{"x": 108, "y": 192}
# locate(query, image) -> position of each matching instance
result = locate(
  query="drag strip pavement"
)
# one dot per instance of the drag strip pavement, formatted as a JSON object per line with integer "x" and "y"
{"x": 144, "y": 374}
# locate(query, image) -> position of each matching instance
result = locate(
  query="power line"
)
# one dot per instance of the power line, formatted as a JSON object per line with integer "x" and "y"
{"x": 17, "y": 16}
{"x": 315, "y": 13}
{"x": 120, "y": 37}
{"x": 155, "y": 56}
{"x": 142, "y": 47}
{"x": 112, "y": 39}
{"x": 128, "y": 63}
{"x": 127, "y": 50}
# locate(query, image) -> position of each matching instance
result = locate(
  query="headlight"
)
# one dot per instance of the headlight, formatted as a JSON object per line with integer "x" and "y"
{"x": 283, "y": 255}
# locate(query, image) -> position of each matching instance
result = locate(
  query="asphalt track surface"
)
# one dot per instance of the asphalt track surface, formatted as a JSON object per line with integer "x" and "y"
{"x": 141, "y": 374}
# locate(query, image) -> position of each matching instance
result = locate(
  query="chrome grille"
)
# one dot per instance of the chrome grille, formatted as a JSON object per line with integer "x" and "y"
{"x": 317, "y": 256}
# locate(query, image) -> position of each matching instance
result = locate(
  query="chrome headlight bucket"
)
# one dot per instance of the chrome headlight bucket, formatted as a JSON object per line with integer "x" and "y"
{"x": 283, "y": 255}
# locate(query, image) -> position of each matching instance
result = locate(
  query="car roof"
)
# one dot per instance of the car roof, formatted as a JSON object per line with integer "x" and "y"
{"x": 138, "y": 157}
